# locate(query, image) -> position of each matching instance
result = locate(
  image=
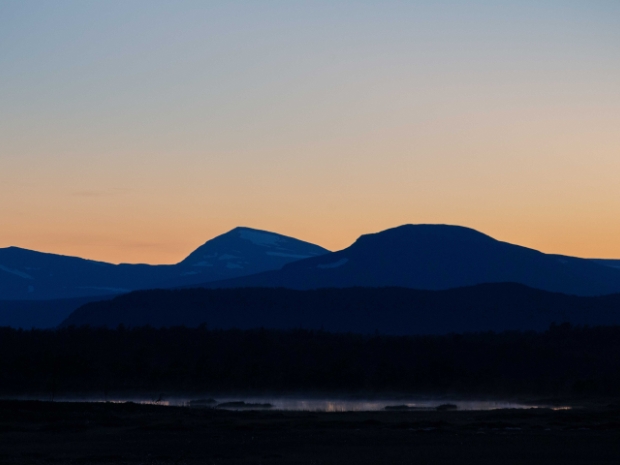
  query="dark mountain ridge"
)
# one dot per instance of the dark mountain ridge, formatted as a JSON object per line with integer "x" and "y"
{"x": 484, "y": 307}
{"x": 432, "y": 257}
{"x": 41, "y": 314}
{"x": 26, "y": 274}
{"x": 30, "y": 275}
{"x": 437, "y": 257}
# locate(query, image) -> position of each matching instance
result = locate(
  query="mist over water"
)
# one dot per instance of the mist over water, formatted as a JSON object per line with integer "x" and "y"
{"x": 301, "y": 403}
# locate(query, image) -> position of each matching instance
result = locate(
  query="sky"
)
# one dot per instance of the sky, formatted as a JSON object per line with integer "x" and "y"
{"x": 134, "y": 131}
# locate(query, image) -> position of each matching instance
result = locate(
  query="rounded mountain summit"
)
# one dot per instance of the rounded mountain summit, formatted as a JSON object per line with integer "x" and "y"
{"x": 437, "y": 257}
{"x": 243, "y": 251}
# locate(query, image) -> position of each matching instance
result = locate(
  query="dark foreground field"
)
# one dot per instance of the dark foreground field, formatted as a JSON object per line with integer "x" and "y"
{"x": 78, "y": 433}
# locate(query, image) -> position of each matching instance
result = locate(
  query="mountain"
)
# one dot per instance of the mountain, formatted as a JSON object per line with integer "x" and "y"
{"x": 26, "y": 274}
{"x": 606, "y": 262}
{"x": 30, "y": 275}
{"x": 437, "y": 257}
{"x": 485, "y": 307}
{"x": 241, "y": 252}
{"x": 41, "y": 314}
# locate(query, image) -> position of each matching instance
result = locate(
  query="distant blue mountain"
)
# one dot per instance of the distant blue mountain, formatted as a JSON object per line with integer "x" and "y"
{"x": 30, "y": 275}
{"x": 607, "y": 262}
{"x": 430, "y": 257}
{"x": 437, "y": 257}
{"x": 240, "y": 252}
{"x": 26, "y": 274}
{"x": 41, "y": 314}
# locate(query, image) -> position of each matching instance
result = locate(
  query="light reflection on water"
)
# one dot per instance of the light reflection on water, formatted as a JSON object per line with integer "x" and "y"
{"x": 320, "y": 404}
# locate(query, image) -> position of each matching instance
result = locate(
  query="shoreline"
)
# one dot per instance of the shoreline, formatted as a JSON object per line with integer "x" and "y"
{"x": 106, "y": 433}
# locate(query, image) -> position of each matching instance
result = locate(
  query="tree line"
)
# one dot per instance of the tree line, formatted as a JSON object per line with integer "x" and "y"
{"x": 564, "y": 360}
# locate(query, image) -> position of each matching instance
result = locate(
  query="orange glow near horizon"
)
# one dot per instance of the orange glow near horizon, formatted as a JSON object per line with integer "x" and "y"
{"x": 554, "y": 190}
{"x": 155, "y": 250}
{"x": 316, "y": 120}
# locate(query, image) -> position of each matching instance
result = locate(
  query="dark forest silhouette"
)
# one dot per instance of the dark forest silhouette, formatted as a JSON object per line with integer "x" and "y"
{"x": 398, "y": 311}
{"x": 563, "y": 360}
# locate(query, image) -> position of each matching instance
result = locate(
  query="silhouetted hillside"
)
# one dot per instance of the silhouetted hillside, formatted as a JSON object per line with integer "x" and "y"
{"x": 432, "y": 257}
{"x": 484, "y": 307}
{"x": 438, "y": 257}
{"x": 30, "y": 275}
{"x": 41, "y": 314}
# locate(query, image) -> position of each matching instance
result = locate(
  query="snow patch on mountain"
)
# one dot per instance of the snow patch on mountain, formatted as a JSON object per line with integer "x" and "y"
{"x": 21, "y": 274}
{"x": 114, "y": 290}
{"x": 340, "y": 262}
{"x": 288, "y": 255}
{"x": 264, "y": 239}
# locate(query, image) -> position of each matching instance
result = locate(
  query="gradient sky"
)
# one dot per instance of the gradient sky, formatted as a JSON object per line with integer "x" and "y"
{"x": 133, "y": 131}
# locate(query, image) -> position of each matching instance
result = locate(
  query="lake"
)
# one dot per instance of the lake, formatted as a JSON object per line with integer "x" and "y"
{"x": 310, "y": 404}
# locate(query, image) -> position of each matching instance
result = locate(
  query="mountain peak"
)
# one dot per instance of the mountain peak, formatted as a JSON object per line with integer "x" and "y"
{"x": 438, "y": 256}
{"x": 249, "y": 250}
{"x": 28, "y": 274}
{"x": 257, "y": 236}
{"x": 410, "y": 232}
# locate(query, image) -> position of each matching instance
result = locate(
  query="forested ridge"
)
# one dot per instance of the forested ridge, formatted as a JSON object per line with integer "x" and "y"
{"x": 391, "y": 310}
{"x": 563, "y": 360}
